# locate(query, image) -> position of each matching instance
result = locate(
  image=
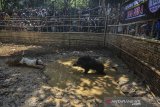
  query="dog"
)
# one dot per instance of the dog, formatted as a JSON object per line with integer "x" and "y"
{"x": 87, "y": 63}
{"x": 24, "y": 61}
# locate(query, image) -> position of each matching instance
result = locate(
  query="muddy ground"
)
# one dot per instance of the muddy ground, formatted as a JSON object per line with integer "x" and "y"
{"x": 62, "y": 85}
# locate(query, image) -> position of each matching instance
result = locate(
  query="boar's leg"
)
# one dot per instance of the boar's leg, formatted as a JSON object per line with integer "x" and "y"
{"x": 86, "y": 70}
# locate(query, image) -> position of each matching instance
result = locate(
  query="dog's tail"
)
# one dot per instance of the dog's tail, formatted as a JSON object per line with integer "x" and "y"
{"x": 13, "y": 61}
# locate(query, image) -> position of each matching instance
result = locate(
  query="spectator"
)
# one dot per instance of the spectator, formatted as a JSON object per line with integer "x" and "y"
{"x": 6, "y": 17}
{"x": 120, "y": 29}
{"x": 147, "y": 29}
{"x": 158, "y": 29}
{"x": 132, "y": 31}
{"x": 1, "y": 20}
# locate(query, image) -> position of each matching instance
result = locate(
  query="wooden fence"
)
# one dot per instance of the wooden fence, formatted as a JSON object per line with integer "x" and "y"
{"x": 141, "y": 55}
{"x": 57, "y": 39}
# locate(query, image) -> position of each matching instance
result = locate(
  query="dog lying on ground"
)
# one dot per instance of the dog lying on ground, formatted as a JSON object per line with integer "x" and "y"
{"x": 87, "y": 63}
{"x": 36, "y": 63}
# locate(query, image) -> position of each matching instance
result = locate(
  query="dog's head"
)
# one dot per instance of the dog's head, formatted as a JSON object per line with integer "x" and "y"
{"x": 39, "y": 62}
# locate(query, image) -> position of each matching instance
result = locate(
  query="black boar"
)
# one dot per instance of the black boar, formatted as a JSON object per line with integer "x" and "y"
{"x": 87, "y": 63}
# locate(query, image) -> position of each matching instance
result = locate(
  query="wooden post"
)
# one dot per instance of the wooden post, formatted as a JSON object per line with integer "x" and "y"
{"x": 69, "y": 40}
{"x": 88, "y": 26}
{"x": 79, "y": 23}
{"x": 152, "y": 28}
{"x": 127, "y": 29}
{"x": 70, "y": 20}
{"x": 47, "y": 23}
{"x": 106, "y": 18}
{"x": 136, "y": 32}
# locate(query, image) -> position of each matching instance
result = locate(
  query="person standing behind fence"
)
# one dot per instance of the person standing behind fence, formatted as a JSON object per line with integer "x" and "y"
{"x": 158, "y": 29}
{"x": 1, "y": 20}
{"x": 6, "y": 19}
{"x": 147, "y": 29}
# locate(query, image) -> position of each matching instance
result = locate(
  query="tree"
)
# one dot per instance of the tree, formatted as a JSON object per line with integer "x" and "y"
{"x": 2, "y": 4}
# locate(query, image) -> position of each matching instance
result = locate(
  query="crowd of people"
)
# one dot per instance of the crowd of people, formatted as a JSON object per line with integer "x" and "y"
{"x": 46, "y": 20}
{"x": 49, "y": 20}
{"x": 148, "y": 29}
{"x": 116, "y": 24}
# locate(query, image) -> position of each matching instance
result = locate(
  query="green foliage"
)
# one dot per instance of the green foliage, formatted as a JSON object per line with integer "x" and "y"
{"x": 60, "y": 4}
{"x": 57, "y": 4}
{"x": 79, "y": 3}
{"x": 1, "y": 4}
{"x": 94, "y": 3}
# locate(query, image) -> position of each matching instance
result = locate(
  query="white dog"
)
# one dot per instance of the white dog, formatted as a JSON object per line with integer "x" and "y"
{"x": 37, "y": 63}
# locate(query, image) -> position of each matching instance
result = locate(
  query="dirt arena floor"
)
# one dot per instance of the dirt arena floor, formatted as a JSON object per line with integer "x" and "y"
{"x": 62, "y": 85}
